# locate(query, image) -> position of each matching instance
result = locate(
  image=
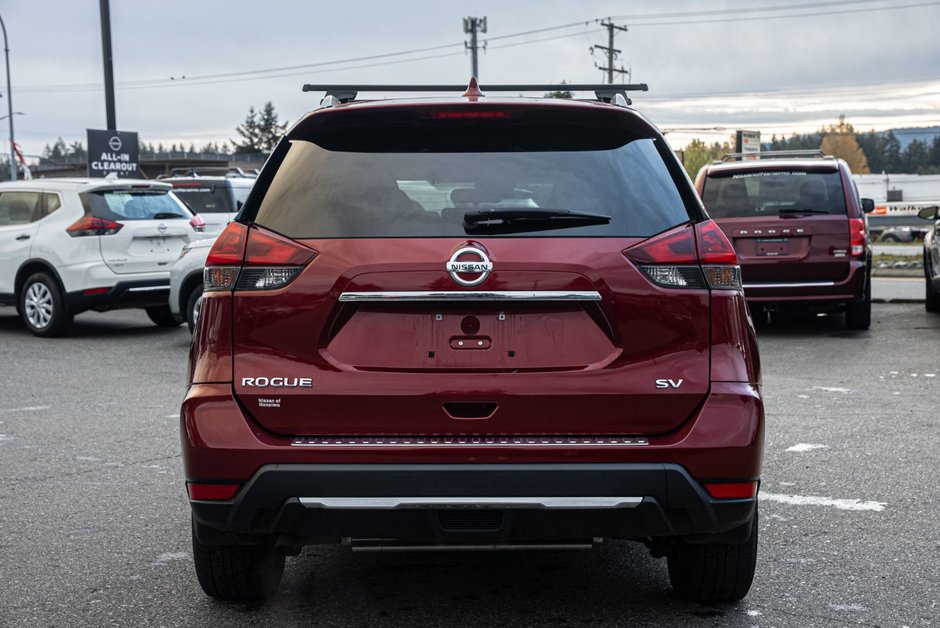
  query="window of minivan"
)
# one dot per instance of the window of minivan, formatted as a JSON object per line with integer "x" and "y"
{"x": 738, "y": 194}
{"x": 422, "y": 181}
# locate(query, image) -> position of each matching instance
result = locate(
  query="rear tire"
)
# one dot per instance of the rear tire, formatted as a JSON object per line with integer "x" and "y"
{"x": 41, "y": 306}
{"x": 238, "y": 573}
{"x": 713, "y": 572}
{"x": 858, "y": 315}
{"x": 931, "y": 295}
{"x": 162, "y": 316}
{"x": 193, "y": 307}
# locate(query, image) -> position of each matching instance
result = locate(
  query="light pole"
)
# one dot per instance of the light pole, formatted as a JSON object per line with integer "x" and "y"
{"x": 6, "y": 52}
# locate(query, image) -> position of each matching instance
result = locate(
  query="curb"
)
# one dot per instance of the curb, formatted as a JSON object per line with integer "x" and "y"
{"x": 896, "y": 301}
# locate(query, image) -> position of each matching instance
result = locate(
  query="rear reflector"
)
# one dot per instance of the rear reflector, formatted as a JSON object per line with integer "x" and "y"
{"x": 732, "y": 490}
{"x": 91, "y": 291}
{"x": 229, "y": 247}
{"x": 211, "y": 492}
{"x": 93, "y": 226}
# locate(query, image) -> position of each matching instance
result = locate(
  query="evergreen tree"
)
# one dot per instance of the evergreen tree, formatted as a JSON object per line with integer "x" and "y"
{"x": 260, "y": 131}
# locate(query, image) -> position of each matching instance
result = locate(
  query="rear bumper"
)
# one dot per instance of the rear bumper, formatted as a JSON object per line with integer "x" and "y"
{"x": 122, "y": 295}
{"x": 811, "y": 291}
{"x": 470, "y": 503}
{"x": 660, "y": 475}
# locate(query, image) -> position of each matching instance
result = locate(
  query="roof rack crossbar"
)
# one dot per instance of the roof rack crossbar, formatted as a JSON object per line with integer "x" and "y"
{"x": 603, "y": 91}
{"x": 777, "y": 154}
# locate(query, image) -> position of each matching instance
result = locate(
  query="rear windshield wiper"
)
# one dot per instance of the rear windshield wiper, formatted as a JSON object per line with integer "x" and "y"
{"x": 166, "y": 216}
{"x": 522, "y": 220}
{"x": 800, "y": 210}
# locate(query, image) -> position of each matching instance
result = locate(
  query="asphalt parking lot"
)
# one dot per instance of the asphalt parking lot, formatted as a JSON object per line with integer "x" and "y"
{"x": 94, "y": 522}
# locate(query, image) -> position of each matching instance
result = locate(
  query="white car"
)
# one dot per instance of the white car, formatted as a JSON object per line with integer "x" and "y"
{"x": 70, "y": 245}
{"x": 186, "y": 281}
{"x": 215, "y": 194}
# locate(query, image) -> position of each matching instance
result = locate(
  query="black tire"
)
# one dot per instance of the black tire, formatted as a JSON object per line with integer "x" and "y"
{"x": 713, "y": 572}
{"x": 193, "y": 306}
{"x": 931, "y": 295}
{"x": 41, "y": 306}
{"x": 162, "y": 316}
{"x": 238, "y": 573}
{"x": 858, "y": 315}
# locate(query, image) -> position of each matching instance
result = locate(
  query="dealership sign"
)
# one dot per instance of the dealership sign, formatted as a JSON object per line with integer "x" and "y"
{"x": 112, "y": 152}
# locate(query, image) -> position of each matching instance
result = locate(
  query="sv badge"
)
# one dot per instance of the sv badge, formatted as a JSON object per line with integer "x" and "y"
{"x": 668, "y": 383}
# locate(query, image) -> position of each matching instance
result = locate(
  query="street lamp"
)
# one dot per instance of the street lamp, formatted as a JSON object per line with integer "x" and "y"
{"x": 15, "y": 113}
{"x": 6, "y": 52}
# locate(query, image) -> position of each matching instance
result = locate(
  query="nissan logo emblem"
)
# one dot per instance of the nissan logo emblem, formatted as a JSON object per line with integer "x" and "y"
{"x": 161, "y": 228}
{"x": 115, "y": 143}
{"x": 469, "y": 260}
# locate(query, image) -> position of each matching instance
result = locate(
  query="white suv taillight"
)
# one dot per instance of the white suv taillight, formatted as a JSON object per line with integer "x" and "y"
{"x": 93, "y": 226}
{"x": 251, "y": 259}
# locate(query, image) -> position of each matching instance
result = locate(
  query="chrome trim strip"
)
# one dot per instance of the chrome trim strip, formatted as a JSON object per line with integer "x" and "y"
{"x": 469, "y": 441}
{"x": 393, "y": 503}
{"x": 148, "y": 288}
{"x": 471, "y": 295}
{"x": 805, "y": 284}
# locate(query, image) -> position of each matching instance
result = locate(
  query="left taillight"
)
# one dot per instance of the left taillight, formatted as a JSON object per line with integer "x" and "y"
{"x": 859, "y": 237}
{"x": 93, "y": 226}
{"x": 253, "y": 259}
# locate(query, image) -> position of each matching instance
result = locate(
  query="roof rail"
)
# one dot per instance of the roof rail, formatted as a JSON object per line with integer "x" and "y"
{"x": 602, "y": 91}
{"x": 210, "y": 171}
{"x": 777, "y": 154}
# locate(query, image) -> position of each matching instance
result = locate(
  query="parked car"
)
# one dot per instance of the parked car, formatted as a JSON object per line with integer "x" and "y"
{"x": 799, "y": 229}
{"x": 213, "y": 193}
{"x": 70, "y": 245}
{"x": 186, "y": 281}
{"x": 473, "y": 322}
{"x": 900, "y": 234}
{"x": 932, "y": 259}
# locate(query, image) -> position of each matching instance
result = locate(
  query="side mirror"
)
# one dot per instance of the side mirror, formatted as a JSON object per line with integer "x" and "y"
{"x": 868, "y": 205}
{"x": 929, "y": 213}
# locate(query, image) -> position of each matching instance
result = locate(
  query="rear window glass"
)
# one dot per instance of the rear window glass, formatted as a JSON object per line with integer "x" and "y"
{"x": 211, "y": 199}
{"x": 122, "y": 205}
{"x": 426, "y": 191}
{"x": 768, "y": 192}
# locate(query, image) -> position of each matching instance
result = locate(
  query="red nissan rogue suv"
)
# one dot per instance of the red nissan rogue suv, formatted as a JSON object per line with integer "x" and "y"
{"x": 799, "y": 229}
{"x": 473, "y": 322}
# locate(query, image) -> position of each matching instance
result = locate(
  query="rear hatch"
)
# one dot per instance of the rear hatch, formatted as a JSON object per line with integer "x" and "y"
{"x": 788, "y": 224}
{"x": 211, "y": 199}
{"x": 151, "y": 226}
{"x": 468, "y": 277}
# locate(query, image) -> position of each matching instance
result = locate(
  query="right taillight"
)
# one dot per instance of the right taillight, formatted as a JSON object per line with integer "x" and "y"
{"x": 858, "y": 236}
{"x": 93, "y": 226}
{"x": 696, "y": 256}
{"x": 253, "y": 259}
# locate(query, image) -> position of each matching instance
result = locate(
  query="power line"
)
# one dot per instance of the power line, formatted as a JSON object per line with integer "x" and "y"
{"x": 758, "y": 9}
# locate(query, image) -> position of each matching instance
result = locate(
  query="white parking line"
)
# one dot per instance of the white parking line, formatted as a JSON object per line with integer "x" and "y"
{"x": 814, "y": 500}
{"x": 26, "y": 409}
{"x": 801, "y": 447}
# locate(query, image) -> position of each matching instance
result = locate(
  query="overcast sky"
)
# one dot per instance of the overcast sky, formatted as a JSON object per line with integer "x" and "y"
{"x": 725, "y": 63}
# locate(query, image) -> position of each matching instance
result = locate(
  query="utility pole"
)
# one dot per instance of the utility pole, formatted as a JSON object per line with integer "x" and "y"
{"x": 611, "y": 51}
{"x": 6, "y": 52}
{"x": 108, "y": 66}
{"x": 472, "y": 25}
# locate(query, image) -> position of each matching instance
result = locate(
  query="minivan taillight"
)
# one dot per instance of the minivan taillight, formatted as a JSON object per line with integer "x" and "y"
{"x": 265, "y": 260}
{"x": 858, "y": 236}
{"x": 689, "y": 257}
{"x": 93, "y": 226}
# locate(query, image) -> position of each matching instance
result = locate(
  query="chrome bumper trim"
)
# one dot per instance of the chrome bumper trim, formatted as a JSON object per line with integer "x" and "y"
{"x": 393, "y": 503}
{"x": 471, "y": 295}
{"x": 804, "y": 284}
{"x": 469, "y": 441}
{"x": 149, "y": 288}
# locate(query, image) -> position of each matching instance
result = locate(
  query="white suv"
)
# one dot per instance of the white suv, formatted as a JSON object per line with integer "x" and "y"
{"x": 70, "y": 245}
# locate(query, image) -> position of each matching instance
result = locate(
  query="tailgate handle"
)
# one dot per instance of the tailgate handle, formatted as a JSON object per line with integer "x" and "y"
{"x": 472, "y": 410}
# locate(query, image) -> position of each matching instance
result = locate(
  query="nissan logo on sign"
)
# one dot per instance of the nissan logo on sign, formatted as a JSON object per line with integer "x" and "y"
{"x": 112, "y": 152}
